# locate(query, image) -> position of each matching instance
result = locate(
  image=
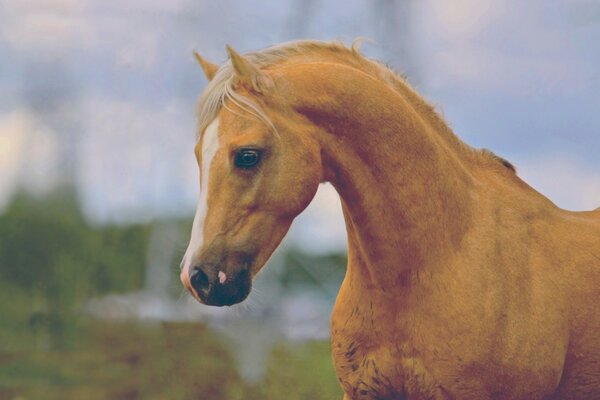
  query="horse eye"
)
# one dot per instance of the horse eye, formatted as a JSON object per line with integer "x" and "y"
{"x": 247, "y": 158}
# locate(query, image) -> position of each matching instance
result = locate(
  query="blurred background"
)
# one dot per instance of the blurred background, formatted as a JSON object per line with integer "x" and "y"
{"x": 98, "y": 182}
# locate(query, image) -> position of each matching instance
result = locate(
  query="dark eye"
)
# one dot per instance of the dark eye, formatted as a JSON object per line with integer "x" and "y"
{"x": 247, "y": 158}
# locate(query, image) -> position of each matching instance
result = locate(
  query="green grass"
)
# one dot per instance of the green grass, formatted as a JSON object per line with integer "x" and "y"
{"x": 161, "y": 361}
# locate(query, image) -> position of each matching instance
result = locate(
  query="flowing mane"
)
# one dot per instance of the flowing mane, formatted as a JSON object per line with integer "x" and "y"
{"x": 221, "y": 88}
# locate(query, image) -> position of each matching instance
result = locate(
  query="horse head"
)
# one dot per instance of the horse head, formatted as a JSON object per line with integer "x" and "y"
{"x": 260, "y": 166}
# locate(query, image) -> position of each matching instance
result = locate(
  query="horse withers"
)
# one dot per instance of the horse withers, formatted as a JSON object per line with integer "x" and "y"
{"x": 462, "y": 282}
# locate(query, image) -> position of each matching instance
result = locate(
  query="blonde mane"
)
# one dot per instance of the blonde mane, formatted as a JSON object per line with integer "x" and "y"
{"x": 221, "y": 87}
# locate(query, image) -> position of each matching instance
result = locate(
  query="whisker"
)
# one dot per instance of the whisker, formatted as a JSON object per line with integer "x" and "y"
{"x": 181, "y": 296}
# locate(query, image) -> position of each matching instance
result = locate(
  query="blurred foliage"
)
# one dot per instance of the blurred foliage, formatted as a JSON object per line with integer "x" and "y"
{"x": 161, "y": 361}
{"x": 52, "y": 261}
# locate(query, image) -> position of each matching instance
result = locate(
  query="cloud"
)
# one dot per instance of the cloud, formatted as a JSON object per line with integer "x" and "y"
{"x": 463, "y": 18}
{"x": 137, "y": 162}
{"x": 491, "y": 45}
{"x": 47, "y": 28}
{"x": 28, "y": 155}
{"x": 129, "y": 30}
{"x": 566, "y": 181}
{"x": 13, "y": 131}
{"x": 321, "y": 227}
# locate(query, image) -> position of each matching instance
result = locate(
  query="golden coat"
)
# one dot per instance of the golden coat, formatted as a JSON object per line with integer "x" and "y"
{"x": 463, "y": 282}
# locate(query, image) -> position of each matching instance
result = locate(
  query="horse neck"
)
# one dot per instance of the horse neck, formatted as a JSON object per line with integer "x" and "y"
{"x": 405, "y": 188}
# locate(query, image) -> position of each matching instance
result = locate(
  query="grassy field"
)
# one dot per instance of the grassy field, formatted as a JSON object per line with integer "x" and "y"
{"x": 161, "y": 361}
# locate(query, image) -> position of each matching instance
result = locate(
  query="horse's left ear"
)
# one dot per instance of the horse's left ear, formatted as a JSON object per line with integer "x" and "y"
{"x": 209, "y": 68}
{"x": 248, "y": 74}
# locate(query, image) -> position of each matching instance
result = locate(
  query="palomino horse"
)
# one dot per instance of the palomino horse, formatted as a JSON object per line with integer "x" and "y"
{"x": 462, "y": 282}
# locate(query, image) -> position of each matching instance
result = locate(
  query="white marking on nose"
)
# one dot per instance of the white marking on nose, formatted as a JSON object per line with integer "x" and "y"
{"x": 222, "y": 277}
{"x": 210, "y": 145}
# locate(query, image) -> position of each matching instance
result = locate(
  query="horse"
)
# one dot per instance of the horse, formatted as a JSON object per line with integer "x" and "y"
{"x": 462, "y": 282}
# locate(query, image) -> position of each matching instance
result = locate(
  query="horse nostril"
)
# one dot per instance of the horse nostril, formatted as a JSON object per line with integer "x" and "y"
{"x": 200, "y": 282}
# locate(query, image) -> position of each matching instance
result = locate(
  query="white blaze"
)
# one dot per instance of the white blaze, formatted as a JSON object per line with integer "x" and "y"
{"x": 210, "y": 145}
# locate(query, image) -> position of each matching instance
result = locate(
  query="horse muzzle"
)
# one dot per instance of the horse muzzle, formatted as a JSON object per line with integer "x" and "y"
{"x": 215, "y": 287}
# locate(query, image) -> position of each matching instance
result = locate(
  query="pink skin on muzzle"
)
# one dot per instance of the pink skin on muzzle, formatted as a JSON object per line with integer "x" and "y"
{"x": 185, "y": 273}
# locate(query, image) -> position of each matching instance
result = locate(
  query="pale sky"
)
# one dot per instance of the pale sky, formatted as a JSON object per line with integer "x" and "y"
{"x": 104, "y": 91}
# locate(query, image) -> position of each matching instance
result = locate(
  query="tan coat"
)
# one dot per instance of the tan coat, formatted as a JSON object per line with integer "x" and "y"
{"x": 463, "y": 282}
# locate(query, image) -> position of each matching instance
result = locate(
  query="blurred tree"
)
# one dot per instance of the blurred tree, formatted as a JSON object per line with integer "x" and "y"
{"x": 56, "y": 260}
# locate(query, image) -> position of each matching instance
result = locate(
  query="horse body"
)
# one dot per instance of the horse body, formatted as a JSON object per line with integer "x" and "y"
{"x": 500, "y": 318}
{"x": 481, "y": 305}
{"x": 462, "y": 282}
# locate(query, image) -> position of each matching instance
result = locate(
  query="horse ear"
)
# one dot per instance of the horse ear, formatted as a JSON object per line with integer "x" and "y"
{"x": 209, "y": 68}
{"x": 248, "y": 74}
